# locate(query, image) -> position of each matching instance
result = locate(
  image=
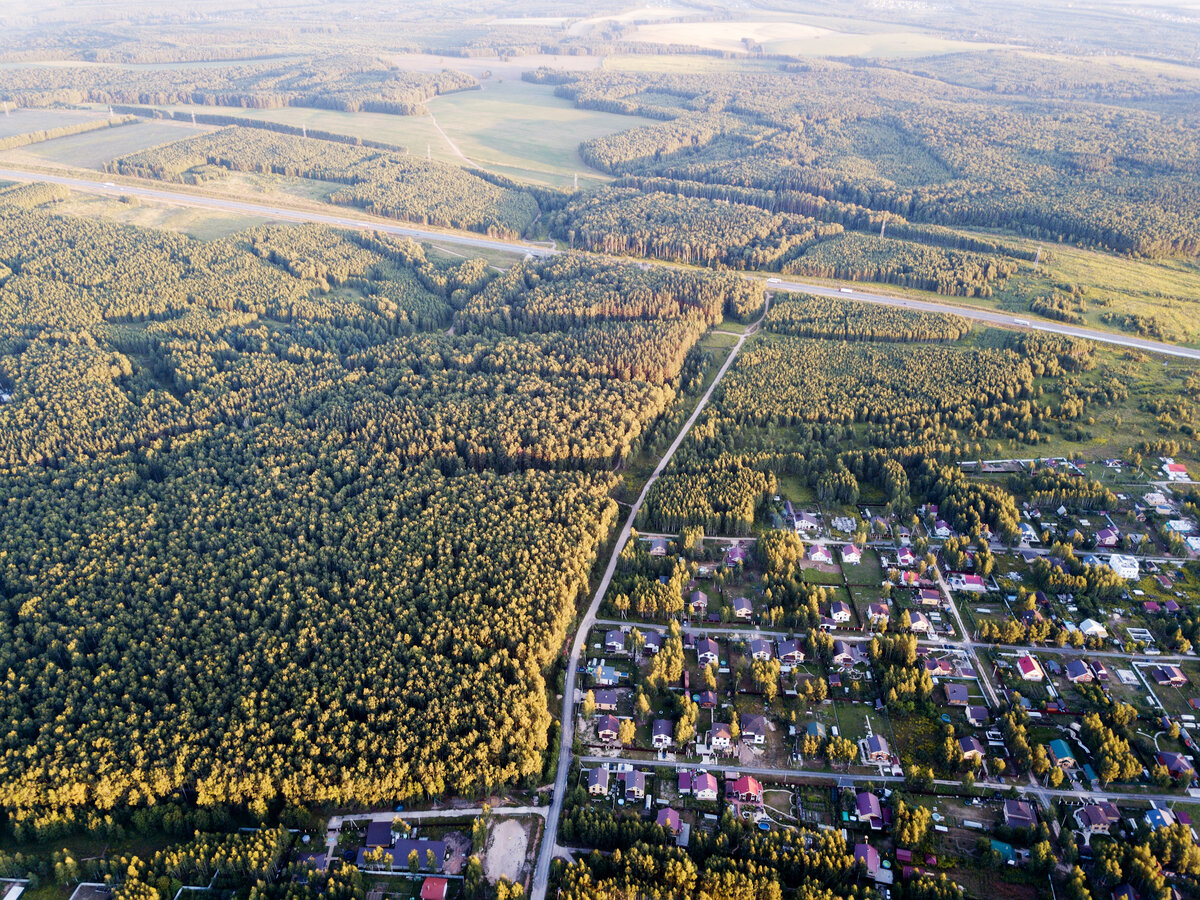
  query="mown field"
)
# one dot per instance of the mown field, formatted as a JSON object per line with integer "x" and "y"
{"x": 93, "y": 149}
{"x": 23, "y": 121}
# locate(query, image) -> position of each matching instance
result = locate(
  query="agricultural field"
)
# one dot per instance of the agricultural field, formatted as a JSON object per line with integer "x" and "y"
{"x": 95, "y": 149}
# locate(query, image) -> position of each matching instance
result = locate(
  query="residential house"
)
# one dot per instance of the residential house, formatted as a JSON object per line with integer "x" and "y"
{"x": 754, "y": 729}
{"x": 868, "y": 856}
{"x": 919, "y": 623}
{"x": 658, "y": 547}
{"x": 379, "y": 834}
{"x": 1125, "y": 566}
{"x": 1100, "y": 670}
{"x": 704, "y": 787}
{"x": 1078, "y": 672}
{"x": 905, "y": 556}
{"x": 942, "y": 529}
{"x": 851, "y": 554}
{"x": 977, "y": 716}
{"x": 1029, "y": 534}
{"x": 760, "y": 649}
{"x": 1172, "y": 675}
{"x": 877, "y": 749}
{"x": 878, "y": 613}
{"x": 956, "y": 694}
{"x": 807, "y": 522}
{"x": 961, "y": 581}
{"x": 598, "y": 781}
{"x": 698, "y": 603}
{"x": 606, "y": 728}
{"x": 869, "y": 810}
{"x": 817, "y": 730}
{"x": 1175, "y": 471}
{"x": 742, "y": 608}
{"x": 1060, "y": 754}
{"x": 707, "y": 652}
{"x": 685, "y": 783}
{"x": 938, "y": 667}
{"x": 425, "y": 849}
{"x": 614, "y": 641}
{"x": 1125, "y": 892}
{"x": 928, "y": 597}
{"x": 748, "y": 789}
{"x": 635, "y": 785}
{"x": 735, "y": 554}
{"x": 1019, "y": 814}
{"x": 605, "y": 676}
{"x": 1107, "y": 537}
{"x": 606, "y": 699}
{"x": 1177, "y": 764}
{"x": 971, "y": 747}
{"x": 846, "y": 654}
{"x": 1096, "y": 818}
{"x": 434, "y": 888}
{"x": 654, "y": 642}
{"x": 663, "y": 735}
{"x": 820, "y": 553}
{"x": 669, "y": 819}
{"x": 1092, "y": 628}
{"x": 721, "y": 736}
{"x": 790, "y": 653}
{"x": 1030, "y": 669}
{"x": 839, "y": 611}
{"x": 1159, "y": 816}
{"x": 708, "y": 699}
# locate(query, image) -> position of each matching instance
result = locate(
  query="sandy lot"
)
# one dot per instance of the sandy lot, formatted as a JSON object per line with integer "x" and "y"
{"x": 506, "y": 849}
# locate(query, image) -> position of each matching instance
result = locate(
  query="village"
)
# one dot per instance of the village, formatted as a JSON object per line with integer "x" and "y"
{"x": 787, "y": 720}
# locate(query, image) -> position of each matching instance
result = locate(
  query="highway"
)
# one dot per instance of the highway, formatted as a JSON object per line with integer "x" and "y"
{"x": 245, "y": 207}
{"x": 541, "y": 872}
{"x": 179, "y": 197}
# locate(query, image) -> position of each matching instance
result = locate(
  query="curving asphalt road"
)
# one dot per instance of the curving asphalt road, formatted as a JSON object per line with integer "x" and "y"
{"x": 127, "y": 187}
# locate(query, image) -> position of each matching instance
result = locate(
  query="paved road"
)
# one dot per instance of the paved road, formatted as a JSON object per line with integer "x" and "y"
{"x": 541, "y": 873}
{"x": 129, "y": 186}
{"x": 732, "y": 765}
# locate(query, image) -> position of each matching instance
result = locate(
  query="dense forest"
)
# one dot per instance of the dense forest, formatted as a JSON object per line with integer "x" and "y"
{"x": 264, "y": 515}
{"x": 913, "y": 146}
{"x": 383, "y": 182}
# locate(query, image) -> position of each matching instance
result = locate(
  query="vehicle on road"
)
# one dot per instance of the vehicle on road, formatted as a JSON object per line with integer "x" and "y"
{"x": 773, "y": 281}
{"x": 846, "y": 290}
{"x": 1024, "y": 322}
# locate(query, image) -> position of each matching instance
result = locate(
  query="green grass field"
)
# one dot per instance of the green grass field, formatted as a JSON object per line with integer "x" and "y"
{"x": 524, "y": 131}
{"x": 92, "y": 150}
